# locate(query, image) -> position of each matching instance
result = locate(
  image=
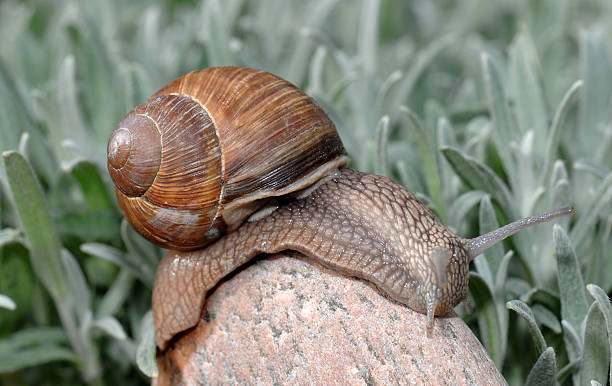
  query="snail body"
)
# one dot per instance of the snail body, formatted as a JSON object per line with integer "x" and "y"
{"x": 265, "y": 167}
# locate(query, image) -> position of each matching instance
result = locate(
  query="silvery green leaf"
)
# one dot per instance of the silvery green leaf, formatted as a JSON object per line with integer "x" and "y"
{"x": 9, "y": 235}
{"x": 145, "y": 354}
{"x": 573, "y": 342}
{"x": 544, "y": 370}
{"x": 36, "y": 223}
{"x": 544, "y": 296}
{"x": 546, "y": 318}
{"x": 586, "y": 165}
{"x": 487, "y": 222}
{"x": 114, "y": 255}
{"x": 479, "y": 176}
{"x": 35, "y": 356}
{"x": 574, "y": 303}
{"x": 110, "y": 326}
{"x": 117, "y": 294}
{"x": 39, "y": 336}
{"x": 382, "y": 138}
{"x": 428, "y": 161}
{"x": 595, "y": 95}
{"x": 596, "y": 353}
{"x": 554, "y": 133}
{"x": 505, "y": 131}
{"x": 488, "y": 318}
{"x": 524, "y": 311}
{"x": 6, "y": 302}
{"x": 590, "y": 215}
{"x": 603, "y": 302}
{"x": 525, "y": 75}
{"x": 79, "y": 292}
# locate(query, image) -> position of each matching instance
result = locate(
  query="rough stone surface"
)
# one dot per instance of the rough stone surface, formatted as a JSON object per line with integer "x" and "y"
{"x": 285, "y": 321}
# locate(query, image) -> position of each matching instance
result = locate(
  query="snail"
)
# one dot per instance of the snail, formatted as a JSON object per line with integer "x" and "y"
{"x": 228, "y": 163}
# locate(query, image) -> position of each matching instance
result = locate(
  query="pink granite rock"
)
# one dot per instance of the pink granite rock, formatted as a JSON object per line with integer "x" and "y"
{"x": 283, "y": 320}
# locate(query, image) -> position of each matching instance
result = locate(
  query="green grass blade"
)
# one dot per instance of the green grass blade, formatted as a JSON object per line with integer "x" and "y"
{"x": 45, "y": 249}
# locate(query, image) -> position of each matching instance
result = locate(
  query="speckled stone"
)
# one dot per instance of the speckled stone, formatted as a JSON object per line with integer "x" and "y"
{"x": 285, "y": 321}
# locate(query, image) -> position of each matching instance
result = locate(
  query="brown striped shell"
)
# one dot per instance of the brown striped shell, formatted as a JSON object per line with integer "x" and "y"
{"x": 206, "y": 151}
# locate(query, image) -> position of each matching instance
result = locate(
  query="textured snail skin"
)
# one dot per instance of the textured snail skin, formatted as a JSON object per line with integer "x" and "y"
{"x": 359, "y": 224}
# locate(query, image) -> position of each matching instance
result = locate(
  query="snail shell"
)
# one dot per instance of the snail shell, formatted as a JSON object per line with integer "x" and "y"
{"x": 211, "y": 148}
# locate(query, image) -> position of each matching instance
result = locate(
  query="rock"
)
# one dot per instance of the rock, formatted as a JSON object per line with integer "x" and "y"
{"x": 283, "y": 320}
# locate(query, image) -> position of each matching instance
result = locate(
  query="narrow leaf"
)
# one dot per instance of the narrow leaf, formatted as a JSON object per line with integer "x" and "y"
{"x": 6, "y": 302}
{"x": 429, "y": 162}
{"x": 487, "y": 221}
{"x": 79, "y": 292}
{"x": 524, "y": 311}
{"x": 460, "y": 207}
{"x": 92, "y": 184}
{"x": 544, "y": 370}
{"x": 573, "y": 343}
{"x": 488, "y": 318}
{"x": 589, "y": 216}
{"x": 603, "y": 302}
{"x": 596, "y": 355}
{"x": 382, "y": 138}
{"x": 574, "y": 303}
{"x": 114, "y": 298}
{"x": 504, "y": 131}
{"x": 479, "y": 176}
{"x": 546, "y": 318}
{"x": 555, "y": 128}
{"x": 145, "y": 354}
{"x": 32, "y": 337}
{"x": 111, "y": 326}
{"x": 35, "y": 356}
{"x": 36, "y": 222}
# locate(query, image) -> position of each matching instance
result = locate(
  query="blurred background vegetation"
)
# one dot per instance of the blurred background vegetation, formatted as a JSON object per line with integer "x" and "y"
{"x": 488, "y": 111}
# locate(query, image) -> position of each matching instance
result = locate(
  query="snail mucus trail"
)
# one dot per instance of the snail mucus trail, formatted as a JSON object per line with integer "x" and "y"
{"x": 203, "y": 169}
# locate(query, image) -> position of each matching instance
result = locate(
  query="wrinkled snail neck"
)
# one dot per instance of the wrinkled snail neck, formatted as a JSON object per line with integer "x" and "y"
{"x": 479, "y": 244}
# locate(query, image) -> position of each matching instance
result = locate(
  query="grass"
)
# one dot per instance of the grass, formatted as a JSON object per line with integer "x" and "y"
{"x": 488, "y": 111}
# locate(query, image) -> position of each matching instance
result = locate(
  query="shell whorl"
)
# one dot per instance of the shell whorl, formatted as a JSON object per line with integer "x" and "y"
{"x": 207, "y": 150}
